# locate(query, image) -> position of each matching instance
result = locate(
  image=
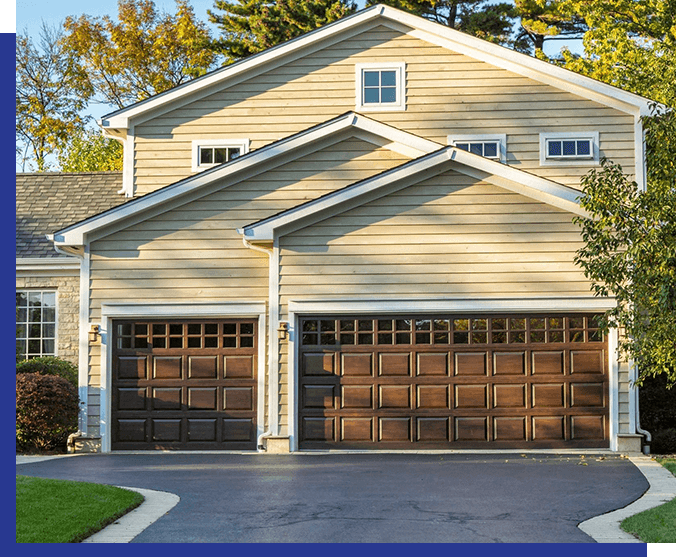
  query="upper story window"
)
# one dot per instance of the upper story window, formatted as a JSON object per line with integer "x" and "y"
{"x": 491, "y": 146}
{"x": 207, "y": 153}
{"x": 380, "y": 86}
{"x": 35, "y": 323}
{"x": 570, "y": 148}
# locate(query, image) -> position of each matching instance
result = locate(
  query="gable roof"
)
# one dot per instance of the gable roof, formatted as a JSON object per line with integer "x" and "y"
{"x": 407, "y": 174}
{"x": 434, "y": 33}
{"x": 243, "y": 167}
{"x": 48, "y": 201}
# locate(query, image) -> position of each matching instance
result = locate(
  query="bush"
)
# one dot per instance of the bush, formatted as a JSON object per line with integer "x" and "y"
{"x": 49, "y": 365}
{"x": 664, "y": 441}
{"x": 46, "y": 411}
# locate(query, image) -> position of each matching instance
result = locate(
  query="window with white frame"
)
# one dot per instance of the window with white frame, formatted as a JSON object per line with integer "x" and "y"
{"x": 491, "y": 146}
{"x": 207, "y": 153}
{"x": 380, "y": 86}
{"x": 35, "y": 323}
{"x": 570, "y": 148}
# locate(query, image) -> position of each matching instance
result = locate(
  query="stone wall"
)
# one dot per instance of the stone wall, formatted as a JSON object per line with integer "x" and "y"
{"x": 67, "y": 310}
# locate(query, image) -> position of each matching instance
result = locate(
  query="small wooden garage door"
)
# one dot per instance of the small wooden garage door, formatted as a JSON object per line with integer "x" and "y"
{"x": 500, "y": 381}
{"x": 184, "y": 384}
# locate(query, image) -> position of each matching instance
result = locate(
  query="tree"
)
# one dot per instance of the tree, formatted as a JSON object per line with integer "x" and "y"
{"x": 90, "y": 151}
{"x": 630, "y": 44}
{"x": 630, "y": 239}
{"x": 51, "y": 90}
{"x": 251, "y": 26}
{"x": 143, "y": 54}
{"x": 544, "y": 20}
{"x": 489, "y": 21}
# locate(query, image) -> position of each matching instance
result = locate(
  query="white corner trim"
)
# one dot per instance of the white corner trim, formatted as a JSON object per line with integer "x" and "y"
{"x": 400, "y": 70}
{"x": 592, "y": 160}
{"x": 128, "y": 164}
{"x": 83, "y": 342}
{"x": 639, "y": 154}
{"x": 614, "y": 389}
{"x": 241, "y": 143}
{"x": 181, "y": 310}
{"x": 501, "y": 139}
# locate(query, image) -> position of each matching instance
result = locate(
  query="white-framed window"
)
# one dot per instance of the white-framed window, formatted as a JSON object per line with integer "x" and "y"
{"x": 35, "y": 323}
{"x": 207, "y": 153}
{"x": 491, "y": 146}
{"x": 569, "y": 148}
{"x": 380, "y": 86}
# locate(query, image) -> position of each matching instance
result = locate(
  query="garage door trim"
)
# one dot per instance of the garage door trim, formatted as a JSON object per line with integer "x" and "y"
{"x": 198, "y": 310}
{"x": 301, "y": 308}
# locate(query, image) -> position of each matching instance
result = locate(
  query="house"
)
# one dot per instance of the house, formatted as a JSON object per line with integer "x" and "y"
{"x": 361, "y": 238}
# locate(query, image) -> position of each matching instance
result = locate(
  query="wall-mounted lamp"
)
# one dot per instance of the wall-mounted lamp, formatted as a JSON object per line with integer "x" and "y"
{"x": 93, "y": 333}
{"x": 283, "y": 330}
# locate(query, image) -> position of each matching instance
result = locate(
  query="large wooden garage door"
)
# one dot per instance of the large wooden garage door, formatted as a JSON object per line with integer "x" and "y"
{"x": 184, "y": 384}
{"x": 499, "y": 381}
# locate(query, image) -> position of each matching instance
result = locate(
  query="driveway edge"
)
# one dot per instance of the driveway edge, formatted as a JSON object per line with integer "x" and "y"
{"x": 127, "y": 527}
{"x": 605, "y": 528}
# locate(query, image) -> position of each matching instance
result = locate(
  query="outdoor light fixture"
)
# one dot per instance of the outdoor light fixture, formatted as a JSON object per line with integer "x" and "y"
{"x": 93, "y": 333}
{"x": 283, "y": 330}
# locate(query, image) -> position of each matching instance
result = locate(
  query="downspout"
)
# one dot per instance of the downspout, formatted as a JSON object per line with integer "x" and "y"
{"x": 268, "y": 432}
{"x": 83, "y": 346}
{"x": 637, "y": 415}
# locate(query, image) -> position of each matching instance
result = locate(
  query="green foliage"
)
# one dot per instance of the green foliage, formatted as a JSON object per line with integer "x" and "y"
{"x": 46, "y": 411}
{"x": 50, "y": 365}
{"x": 61, "y": 511}
{"x": 658, "y": 413}
{"x": 251, "y": 26}
{"x": 490, "y": 21}
{"x": 543, "y": 20}
{"x": 90, "y": 151}
{"x": 51, "y": 90}
{"x": 663, "y": 441}
{"x": 142, "y": 54}
{"x": 630, "y": 44}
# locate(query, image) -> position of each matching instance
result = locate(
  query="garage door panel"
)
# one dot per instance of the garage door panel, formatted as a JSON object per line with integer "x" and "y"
{"x": 444, "y": 382}
{"x": 200, "y": 393}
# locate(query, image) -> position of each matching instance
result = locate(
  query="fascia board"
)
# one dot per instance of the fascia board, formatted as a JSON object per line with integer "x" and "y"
{"x": 76, "y": 235}
{"x": 521, "y": 64}
{"x": 265, "y": 230}
{"x": 521, "y": 182}
{"x": 47, "y": 263}
{"x": 501, "y": 175}
{"x": 120, "y": 119}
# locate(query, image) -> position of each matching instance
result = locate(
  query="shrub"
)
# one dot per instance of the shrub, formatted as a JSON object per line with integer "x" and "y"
{"x": 664, "y": 441}
{"x": 46, "y": 411}
{"x": 49, "y": 365}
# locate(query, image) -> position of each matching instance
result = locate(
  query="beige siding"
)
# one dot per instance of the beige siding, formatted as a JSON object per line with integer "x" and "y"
{"x": 194, "y": 253}
{"x": 447, "y": 93}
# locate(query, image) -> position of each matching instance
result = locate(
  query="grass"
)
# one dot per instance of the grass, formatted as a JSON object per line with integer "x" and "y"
{"x": 59, "y": 511}
{"x": 657, "y": 525}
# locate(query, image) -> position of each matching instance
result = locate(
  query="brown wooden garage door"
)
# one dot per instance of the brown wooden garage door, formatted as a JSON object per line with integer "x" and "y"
{"x": 499, "y": 381}
{"x": 184, "y": 384}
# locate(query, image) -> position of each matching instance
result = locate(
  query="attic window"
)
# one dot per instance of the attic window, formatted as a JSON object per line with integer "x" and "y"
{"x": 489, "y": 146}
{"x": 207, "y": 153}
{"x": 569, "y": 148}
{"x": 380, "y": 87}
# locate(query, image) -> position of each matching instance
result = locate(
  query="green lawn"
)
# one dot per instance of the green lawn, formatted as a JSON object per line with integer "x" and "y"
{"x": 657, "y": 525}
{"x": 59, "y": 511}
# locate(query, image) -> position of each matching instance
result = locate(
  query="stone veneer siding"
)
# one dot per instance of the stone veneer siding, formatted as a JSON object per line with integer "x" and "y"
{"x": 67, "y": 310}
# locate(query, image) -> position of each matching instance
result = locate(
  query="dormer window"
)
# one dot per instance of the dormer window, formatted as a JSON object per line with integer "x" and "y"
{"x": 380, "y": 87}
{"x": 207, "y": 153}
{"x": 491, "y": 146}
{"x": 569, "y": 148}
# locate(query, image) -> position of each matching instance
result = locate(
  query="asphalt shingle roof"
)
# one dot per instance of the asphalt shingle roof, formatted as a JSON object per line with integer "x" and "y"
{"x": 47, "y": 202}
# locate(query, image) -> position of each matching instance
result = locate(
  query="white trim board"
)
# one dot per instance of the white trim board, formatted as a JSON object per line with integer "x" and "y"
{"x": 166, "y": 310}
{"x": 247, "y": 165}
{"x": 418, "y": 27}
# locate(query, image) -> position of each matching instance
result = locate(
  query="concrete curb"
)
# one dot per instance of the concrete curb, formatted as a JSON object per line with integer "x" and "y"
{"x": 605, "y": 528}
{"x": 127, "y": 527}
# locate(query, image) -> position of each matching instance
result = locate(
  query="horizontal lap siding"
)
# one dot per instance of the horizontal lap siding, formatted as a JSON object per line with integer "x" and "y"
{"x": 451, "y": 235}
{"x": 194, "y": 252}
{"x": 447, "y": 93}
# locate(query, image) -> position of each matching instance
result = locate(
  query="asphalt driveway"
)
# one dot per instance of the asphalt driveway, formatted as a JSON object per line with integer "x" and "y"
{"x": 366, "y": 497}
